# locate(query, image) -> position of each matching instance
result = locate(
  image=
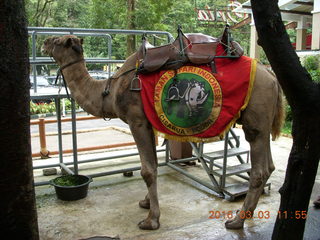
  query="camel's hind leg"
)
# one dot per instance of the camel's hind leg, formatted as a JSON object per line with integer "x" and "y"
{"x": 257, "y": 121}
{"x": 261, "y": 169}
{"x": 144, "y": 138}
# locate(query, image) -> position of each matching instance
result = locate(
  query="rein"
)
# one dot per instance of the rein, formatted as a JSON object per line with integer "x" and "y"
{"x": 60, "y": 73}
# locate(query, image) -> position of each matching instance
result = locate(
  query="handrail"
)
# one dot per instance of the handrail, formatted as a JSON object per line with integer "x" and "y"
{"x": 46, "y": 60}
{"x": 45, "y": 153}
{"x": 108, "y": 31}
{"x": 35, "y": 60}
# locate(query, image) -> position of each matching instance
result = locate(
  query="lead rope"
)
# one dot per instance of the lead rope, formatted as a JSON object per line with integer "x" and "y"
{"x": 60, "y": 74}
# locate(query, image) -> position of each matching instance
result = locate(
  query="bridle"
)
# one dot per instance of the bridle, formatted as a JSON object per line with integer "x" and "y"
{"x": 106, "y": 91}
{"x": 60, "y": 73}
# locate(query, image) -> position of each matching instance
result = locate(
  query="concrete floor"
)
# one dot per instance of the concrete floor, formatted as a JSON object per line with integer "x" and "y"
{"x": 111, "y": 207}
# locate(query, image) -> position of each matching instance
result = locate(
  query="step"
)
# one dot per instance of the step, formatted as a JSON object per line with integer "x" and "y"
{"x": 239, "y": 189}
{"x": 231, "y": 152}
{"x": 233, "y": 170}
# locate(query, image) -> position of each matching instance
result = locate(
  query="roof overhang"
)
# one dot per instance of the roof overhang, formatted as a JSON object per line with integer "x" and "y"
{"x": 291, "y": 10}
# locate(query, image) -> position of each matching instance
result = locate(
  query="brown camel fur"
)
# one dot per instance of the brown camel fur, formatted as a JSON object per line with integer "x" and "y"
{"x": 262, "y": 117}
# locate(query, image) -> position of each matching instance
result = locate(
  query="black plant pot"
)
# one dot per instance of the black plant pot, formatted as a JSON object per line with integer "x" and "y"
{"x": 71, "y": 187}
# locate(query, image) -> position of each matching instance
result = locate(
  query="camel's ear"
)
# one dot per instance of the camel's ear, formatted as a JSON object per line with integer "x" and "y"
{"x": 77, "y": 48}
{"x": 68, "y": 43}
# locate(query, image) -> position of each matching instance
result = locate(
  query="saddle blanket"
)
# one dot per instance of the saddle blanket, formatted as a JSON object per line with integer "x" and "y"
{"x": 192, "y": 103}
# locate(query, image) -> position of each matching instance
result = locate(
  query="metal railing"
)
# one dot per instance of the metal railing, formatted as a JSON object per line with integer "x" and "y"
{"x": 44, "y": 151}
{"x": 36, "y": 60}
{"x": 105, "y": 33}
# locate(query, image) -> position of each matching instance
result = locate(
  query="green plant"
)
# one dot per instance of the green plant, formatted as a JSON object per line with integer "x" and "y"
{"x": 286, "y": 129}
{"x": 68, "y": 180}
{"x": 312, "y": 65}
{"x": 311, "y": 62}
{"x": 40, "y": 108}
{"x": 68, "y": 104}
{"x": 288, "y": 113}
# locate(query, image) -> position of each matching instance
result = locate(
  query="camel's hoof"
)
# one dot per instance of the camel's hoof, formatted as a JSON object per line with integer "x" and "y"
{"x": 144, "y": 204}
{"x": 234, "y": 224}
{"x": 149, "y": 224}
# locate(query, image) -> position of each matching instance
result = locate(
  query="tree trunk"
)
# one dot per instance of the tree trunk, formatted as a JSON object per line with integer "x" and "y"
{"x": 18, "y": 218}
{"x": 303, "y": 95}
{"x": 131, "y": 39}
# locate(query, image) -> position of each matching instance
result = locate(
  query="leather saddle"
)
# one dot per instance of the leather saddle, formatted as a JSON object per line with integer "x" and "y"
{"x": 193, "y": 48}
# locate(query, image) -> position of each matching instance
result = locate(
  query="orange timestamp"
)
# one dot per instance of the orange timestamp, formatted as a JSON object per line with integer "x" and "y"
{"x": 292, "y": 214}
{"x": 242, "y": 214}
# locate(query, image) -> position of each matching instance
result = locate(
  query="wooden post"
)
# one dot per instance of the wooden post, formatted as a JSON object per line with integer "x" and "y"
{"x": 44, "y": 153}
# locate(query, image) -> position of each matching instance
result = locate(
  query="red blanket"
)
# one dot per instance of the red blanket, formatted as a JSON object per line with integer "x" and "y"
{"x": 194, "y": 104}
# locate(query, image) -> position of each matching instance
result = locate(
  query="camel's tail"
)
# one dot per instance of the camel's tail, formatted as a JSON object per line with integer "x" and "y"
{"x": 279, "y": 116}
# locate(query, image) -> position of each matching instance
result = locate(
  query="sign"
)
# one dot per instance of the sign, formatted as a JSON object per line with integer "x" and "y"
{"x": 221, "y": 13}
{"x": 188, "y": 102}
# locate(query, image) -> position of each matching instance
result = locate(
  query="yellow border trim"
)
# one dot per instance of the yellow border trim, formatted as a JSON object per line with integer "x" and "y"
{"x": 216, "y": 108}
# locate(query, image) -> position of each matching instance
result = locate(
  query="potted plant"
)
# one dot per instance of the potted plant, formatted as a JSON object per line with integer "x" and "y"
{"x": 71, "y": 187}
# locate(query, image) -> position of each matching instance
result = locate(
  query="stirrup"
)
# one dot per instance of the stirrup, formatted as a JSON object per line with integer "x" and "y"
{"x": 180, "y": 34}
{"x": 133, "y": 86}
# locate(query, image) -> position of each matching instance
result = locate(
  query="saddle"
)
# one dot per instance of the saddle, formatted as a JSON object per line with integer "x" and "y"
{"x": 193, "y": 48}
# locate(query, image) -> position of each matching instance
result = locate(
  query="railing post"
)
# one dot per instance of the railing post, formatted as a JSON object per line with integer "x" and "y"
{"x": 44, "y": 153}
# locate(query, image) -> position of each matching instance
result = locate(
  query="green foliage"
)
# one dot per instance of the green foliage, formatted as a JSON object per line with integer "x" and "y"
{"x": 312, "y": 62}
{"x": 57, "y": 13}
{"x": 312, "y": 65}
{"x": 67, "y": 103}
{"x": 288, "y": 113}
{"x": 68, "y": 180}
{"x": 286, "y": 129}
{"x": 315, "y": 75}
{"x": 43, "y": 108}
{"x": 164, "y": 15}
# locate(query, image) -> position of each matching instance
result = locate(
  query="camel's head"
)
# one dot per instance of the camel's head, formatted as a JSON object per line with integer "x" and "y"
{"x": 63, "y": 49}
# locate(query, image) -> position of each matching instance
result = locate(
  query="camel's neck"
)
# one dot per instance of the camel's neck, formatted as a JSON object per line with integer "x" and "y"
{"x": 85, "y": 90}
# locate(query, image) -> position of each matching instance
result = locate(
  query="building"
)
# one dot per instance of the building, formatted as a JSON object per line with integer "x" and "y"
{"x": 304, "y": 13}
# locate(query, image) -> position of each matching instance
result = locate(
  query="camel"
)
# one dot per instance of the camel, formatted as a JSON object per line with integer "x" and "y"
{"x": 262, "y": 117}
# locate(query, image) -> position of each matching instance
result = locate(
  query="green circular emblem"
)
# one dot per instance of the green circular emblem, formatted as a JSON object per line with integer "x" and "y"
{"x": 189, "y": 101}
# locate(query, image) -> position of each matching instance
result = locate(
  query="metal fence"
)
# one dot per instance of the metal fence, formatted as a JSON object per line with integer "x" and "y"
{"x": 37, "y": 60}
{"x": 104, "y": 33}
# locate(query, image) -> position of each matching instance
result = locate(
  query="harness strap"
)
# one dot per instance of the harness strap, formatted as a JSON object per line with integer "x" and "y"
{"x": 106, "y": 91}
{"x": 60, "y": 73}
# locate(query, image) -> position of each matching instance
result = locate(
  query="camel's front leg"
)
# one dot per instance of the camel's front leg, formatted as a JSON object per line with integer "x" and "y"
{"x": 261, "y": 169}
{"x": 144, "y": 138}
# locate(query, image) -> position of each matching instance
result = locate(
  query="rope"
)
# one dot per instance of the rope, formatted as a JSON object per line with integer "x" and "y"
{"x": 60, "y": 73}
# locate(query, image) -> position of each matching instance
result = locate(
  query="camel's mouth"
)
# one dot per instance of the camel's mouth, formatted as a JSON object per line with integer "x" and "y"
{"x": 47, "y": 46}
